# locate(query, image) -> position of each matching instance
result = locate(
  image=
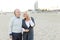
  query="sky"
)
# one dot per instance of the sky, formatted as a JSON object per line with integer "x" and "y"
{"x": 23, "y": 5}
{"x": 49, "y": 4}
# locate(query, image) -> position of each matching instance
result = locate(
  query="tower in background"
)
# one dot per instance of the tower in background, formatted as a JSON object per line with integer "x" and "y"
{"x": 36, "y": 5}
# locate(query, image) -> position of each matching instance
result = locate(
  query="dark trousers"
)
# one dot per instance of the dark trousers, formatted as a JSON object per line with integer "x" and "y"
{"x": 16, "y": 36}
{"x": 28, "y": 35}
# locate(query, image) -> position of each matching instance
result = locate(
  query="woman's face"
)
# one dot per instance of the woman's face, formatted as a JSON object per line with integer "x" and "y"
{"x": 25, "y": 15}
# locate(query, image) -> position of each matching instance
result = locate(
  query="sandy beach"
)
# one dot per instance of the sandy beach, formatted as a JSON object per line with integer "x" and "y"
{"x": 47, "y": 26}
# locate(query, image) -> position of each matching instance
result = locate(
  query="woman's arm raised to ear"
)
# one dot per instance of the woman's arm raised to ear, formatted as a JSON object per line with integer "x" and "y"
{"x": 32, "y": 22}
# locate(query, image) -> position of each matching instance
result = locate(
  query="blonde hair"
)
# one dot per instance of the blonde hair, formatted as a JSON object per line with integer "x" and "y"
{"x": 28, "y": 13}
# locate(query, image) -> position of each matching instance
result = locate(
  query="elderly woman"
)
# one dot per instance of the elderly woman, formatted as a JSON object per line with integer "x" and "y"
{"x": 28, "y": 24}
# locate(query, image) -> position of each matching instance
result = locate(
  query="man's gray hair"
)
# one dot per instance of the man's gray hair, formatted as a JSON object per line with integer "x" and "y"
{"x": 15, "y": 10}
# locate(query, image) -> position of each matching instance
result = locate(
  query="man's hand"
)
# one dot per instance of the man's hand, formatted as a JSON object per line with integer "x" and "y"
{"x": 10, "y": 36}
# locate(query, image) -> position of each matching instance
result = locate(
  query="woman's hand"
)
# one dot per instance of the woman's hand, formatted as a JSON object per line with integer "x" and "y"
{"x": 26, "y": 30}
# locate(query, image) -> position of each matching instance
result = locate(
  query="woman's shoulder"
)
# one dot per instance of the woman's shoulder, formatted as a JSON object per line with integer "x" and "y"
{"x": 23, "y": 19}
{"x": 32, "y": 18}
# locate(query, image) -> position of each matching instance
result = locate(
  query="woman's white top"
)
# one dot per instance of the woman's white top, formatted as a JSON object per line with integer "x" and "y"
{"x": 30, "y": 22}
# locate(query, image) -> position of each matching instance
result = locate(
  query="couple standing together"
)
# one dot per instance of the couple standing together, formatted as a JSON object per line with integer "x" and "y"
{"x": 21, "y": 29}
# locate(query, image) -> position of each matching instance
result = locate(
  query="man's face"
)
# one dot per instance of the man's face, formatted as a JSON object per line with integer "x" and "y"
{"x": 17, "y": 13}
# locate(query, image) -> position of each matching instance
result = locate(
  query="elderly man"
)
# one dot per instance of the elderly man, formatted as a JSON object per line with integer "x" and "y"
{"x": 16, "y": 26}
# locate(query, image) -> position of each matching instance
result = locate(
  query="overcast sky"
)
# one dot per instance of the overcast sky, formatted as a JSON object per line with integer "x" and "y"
{"x": 49, "y": 4}
{"x": 10, "y": 5}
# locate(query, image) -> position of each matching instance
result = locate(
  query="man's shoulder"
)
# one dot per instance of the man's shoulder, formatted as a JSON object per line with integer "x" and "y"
{"x": 12, "y": 18}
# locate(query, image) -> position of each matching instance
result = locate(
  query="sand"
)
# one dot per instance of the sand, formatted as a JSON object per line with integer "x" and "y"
{"x": 47, "y": 26}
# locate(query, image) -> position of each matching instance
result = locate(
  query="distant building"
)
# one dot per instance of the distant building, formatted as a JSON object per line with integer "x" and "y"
{"x": 36, "y": 5}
